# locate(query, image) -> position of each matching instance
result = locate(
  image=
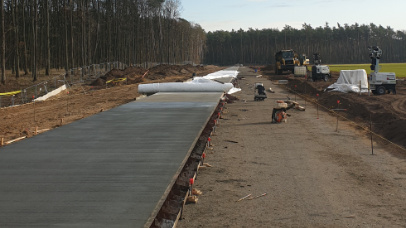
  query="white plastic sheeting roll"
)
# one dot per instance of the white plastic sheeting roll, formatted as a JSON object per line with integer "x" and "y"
{"x": 198, "y": 84}
{"x": 184, "y": 87}
{"x": 222, "y": 74}
{"x": 52, "y": 93}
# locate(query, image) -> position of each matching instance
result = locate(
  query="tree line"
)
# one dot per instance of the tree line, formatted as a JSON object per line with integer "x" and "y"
{"x": 45, "y": 34}
{"x": 65, "y": 34}
{"x": 343, "y": 44}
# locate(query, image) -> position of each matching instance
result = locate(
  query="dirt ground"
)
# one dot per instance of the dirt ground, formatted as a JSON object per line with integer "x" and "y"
{"x": 313, "y": 176}
{"x": 84, "y": 100}
{"x": 302, "y": 173}
{"x": 387, "y": 112}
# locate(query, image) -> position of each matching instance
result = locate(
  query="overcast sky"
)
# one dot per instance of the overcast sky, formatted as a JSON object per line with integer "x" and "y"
{"x": 215, "y": 15}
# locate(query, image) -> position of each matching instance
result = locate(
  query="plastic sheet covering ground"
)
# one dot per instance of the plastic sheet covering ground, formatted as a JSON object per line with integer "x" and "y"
{"x": 198, "y": 84}
{"x": 222, "y": 74}
{"x": 184, "y": 87}
{"x": 234, "y": 90}
{"x": 351, "y": 81}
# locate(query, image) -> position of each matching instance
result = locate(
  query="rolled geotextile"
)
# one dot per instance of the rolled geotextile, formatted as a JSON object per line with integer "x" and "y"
{"x": 184, "y": 87}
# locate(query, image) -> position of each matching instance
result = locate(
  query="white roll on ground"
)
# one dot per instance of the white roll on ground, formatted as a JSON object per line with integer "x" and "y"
{"x": 52, "y": 93}
{"x": 184, "y": 87}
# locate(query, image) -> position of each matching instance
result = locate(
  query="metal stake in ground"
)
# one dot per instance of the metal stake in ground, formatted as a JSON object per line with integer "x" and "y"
{"x": 203, "y": 157}
{"x": 317, "y": 106}
{"x": 295, "y": 91}
{"x": 338, "y": 109}
{"x": 35, "y": 119}
{"x": 305, "y": 85}
{"x": 370, "y": 129}
{"x": 67, "y": 101}
{"x": 208, "y": 142}
{"x": 191, "y": 182}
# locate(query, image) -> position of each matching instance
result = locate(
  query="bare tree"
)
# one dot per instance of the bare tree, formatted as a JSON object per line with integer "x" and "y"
{"x": 3, "y": 46}
{"x": 24, "y": 39}
{"x": 34, "y": 18}
{"x": 16, "y": 39}
{"x": 48, "y": 46}
{"x": 69, "y": 33}
{"x": 66, "y": 9}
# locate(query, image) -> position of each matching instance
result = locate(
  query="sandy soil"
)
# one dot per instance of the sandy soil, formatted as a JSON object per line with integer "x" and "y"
{"x": 84, "y": 100}
{"x": 313, "y": 176}
{"x": 387, "y": 112}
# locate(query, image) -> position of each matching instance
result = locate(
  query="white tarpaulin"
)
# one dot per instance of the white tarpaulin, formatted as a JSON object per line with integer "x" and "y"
{"x": 351, "y": 81}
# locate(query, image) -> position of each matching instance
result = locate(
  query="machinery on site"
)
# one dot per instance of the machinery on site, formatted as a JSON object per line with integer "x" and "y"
{"x": 286, "y": 60}
{"x": 304, "y": 61}
{"x": 380, "y": 82}
{"x": 260, "y": 93}
{"x": 301, "y": 69}
{"x": 320, "y": 72}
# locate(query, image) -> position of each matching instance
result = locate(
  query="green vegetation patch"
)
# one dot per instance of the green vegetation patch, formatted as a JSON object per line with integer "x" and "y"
{"x": 398, "y": 68}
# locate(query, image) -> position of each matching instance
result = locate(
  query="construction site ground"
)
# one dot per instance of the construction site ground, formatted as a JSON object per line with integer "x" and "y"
{"x": 313, "y": 176}
{"x": 82, "y": 100}
{"x": 302, "y": 173}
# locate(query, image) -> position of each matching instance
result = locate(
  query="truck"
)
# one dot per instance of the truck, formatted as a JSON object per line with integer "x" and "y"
{"x": 380, "y": 82}
{"x": 286, "y": 60}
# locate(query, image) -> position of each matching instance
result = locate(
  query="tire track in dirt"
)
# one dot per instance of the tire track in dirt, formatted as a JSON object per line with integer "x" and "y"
{"x": 314, "y": 176}
{"x": 399, "y": 105}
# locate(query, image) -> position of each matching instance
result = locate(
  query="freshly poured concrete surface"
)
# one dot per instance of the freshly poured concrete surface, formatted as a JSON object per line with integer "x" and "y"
{"x": 112, "y": 169}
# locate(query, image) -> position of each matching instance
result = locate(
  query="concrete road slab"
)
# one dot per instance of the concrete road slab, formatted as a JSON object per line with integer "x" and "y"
{"x": 112, "y": 169}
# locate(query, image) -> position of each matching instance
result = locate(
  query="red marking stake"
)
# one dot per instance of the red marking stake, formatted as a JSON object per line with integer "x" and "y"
{"x": 208, "y": 142}
{"x": 317, "y": 95}
{"x": 191, "y": 181}
{"x": 203, "y": 157}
